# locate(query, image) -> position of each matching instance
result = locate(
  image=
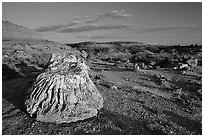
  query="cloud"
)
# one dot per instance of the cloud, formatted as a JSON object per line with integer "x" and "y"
{"x": 63, "y": 27}
{"x": 55, "y": 27}
{"x": 92, "y": 28}
{"x": 101, "y": 37}
{"x": 110, "y": 14}
{"x": 149, "y": 30}
{"x": 79, "y": 17}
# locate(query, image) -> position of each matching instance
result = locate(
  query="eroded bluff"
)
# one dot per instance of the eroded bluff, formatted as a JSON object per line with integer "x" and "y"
{"x": 64, "y": 93}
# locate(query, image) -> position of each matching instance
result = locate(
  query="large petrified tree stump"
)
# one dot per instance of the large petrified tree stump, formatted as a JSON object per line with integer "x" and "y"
{"x": 64, "y": 92}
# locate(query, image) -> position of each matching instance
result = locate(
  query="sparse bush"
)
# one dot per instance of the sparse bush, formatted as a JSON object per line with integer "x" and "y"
{"x": 136, "y": 49}
{"x": 166, "y": 62}
{"x": 153, "y": 49}
{"x": 120, "y": 47}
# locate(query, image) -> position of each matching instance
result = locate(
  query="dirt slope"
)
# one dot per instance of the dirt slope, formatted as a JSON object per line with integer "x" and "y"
{"x": 13, "y": 31}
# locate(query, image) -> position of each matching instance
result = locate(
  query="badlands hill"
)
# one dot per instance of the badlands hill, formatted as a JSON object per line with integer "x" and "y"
{"x": 14, "y": 31}
{"x": 23, "y": 50}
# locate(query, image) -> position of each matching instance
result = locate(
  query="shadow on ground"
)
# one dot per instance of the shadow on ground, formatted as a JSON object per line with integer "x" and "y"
{"x": 15, "y": 91}
{"x": 191, "y": 125}
{"x": 106, "y": 122}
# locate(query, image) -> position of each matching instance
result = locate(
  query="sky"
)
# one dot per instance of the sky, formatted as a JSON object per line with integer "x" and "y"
{"x": 148, "y": 22}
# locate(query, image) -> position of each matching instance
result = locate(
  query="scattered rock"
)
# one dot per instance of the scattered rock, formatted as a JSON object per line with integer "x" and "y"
{"x": 183, "y": 66}
{"x": 114, "y": 88}
{"x": 152, "y": 63}
{"x": 121, "y": 65}
{"x": 179, "y": 91}
{"x": 84, "y": 54}
{"x": 175, "y": 68}
{"x": 183, "y": 72}
{"x": 155, "y": 127}
{"x": 129, "y": 65}
{"x": 127, "y": 79}
{"x": 97, "y": 77}
{"x": 162, "y": 81}
{"x": 150, "y": 67}
{"x": 142, "y": 66}
{"x": 199, "y": 91}
{"x": 64, "y": 93}
{"x": 157, "y": 67}
{"x": 192, "y": 62}
{"x": 136, "y": 67}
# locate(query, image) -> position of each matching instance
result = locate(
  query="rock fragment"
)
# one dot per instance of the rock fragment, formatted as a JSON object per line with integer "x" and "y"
{"x": 114, "y": 88}
{"x": 192, "y": 62}
{"x": 199, "y": 91}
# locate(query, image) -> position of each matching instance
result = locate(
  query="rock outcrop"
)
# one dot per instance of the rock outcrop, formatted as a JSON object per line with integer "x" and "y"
{"x": 64, "y": 93}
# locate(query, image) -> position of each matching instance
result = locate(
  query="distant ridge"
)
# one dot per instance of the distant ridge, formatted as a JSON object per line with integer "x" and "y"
{"x": 14, "y": 31}
{"x": 112, "y": 44}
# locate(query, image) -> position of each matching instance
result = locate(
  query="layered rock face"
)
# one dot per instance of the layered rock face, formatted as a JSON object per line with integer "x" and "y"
{"x": 64, "y": 93}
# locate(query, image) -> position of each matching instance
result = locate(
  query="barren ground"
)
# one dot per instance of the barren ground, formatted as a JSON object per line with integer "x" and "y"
{"x": 139, "y": 105}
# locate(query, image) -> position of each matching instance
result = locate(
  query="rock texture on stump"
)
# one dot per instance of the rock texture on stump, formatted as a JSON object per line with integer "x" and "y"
{"x": 64, "y": 92}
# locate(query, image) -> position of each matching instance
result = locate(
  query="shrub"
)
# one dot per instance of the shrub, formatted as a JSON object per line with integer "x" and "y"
{"x": 136, "y": 49}
{"x": 153, "y": 49}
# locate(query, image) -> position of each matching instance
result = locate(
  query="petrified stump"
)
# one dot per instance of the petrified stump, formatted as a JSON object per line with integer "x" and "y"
{"x": 64, "y": 92}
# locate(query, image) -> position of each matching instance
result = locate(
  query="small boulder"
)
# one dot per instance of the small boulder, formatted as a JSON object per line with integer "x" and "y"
{"x": 183, "y": 66}
{"x": 114, "y": 88}
{"x": 192, "y": 62}
{"x": 84, "y": 54}
{"x": 136, "y": 67}
{"x": 142, "y": 66}
{"x": 199, "y": 91}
